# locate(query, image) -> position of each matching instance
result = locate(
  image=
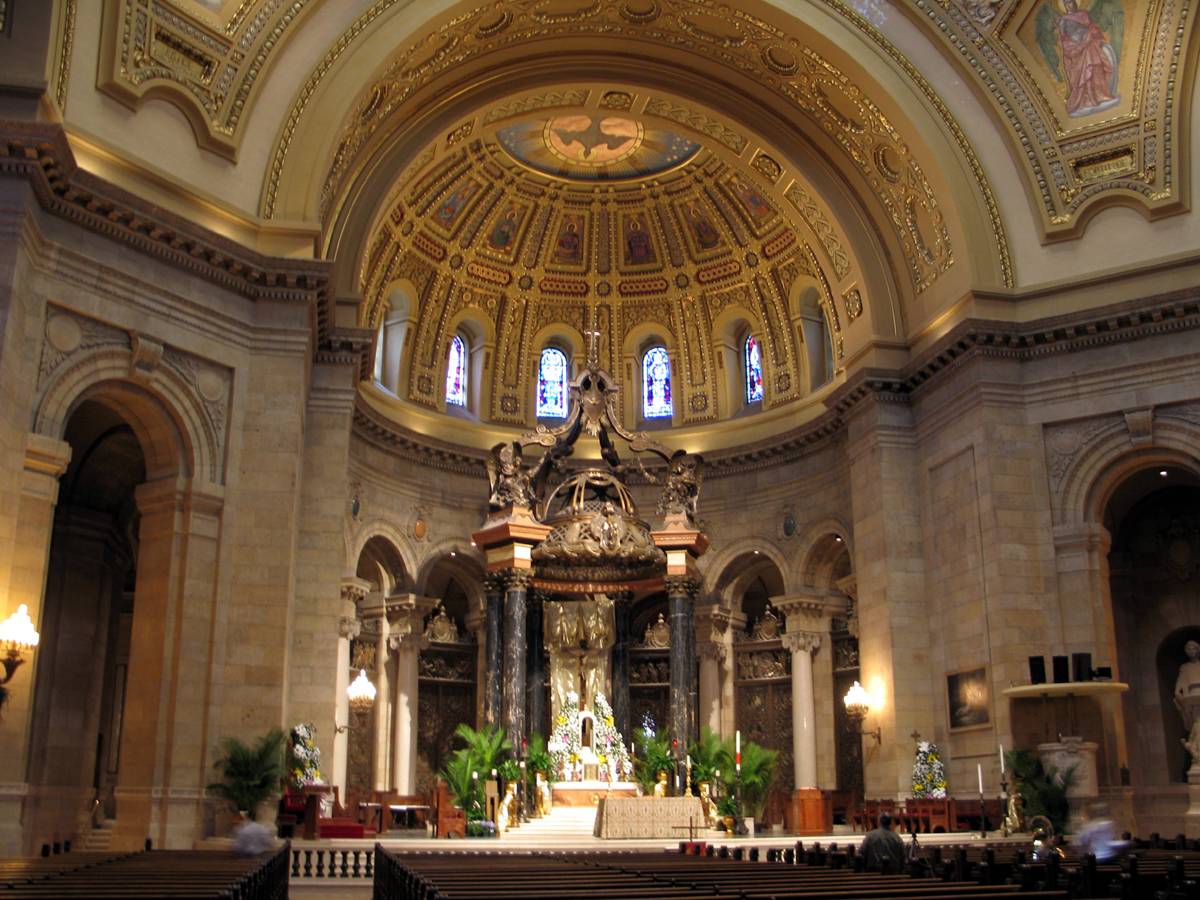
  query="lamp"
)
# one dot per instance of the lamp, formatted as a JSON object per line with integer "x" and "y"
{"x": 362, "y": 696}
{"x": 17, "y": 635}
{"x": 858, "y": 704}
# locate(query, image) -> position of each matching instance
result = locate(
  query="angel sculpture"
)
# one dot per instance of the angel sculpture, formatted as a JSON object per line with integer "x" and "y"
{"x": 1083, "y": 50}
{"x": 508, "y": 478}
{"x": 681, "y": 489}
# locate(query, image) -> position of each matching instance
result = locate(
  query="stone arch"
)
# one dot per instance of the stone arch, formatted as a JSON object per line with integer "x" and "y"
{"x": 723, "y": 583}
{"x": 823, "y": 545}
{"x": 461, "y": 558}
{"x": 479, "y": 331}
{"x": 729, "y": 330}
{"x": 388, "y": 567}
{"x": 563, "y": 337}
{"x": 384, "y": 530}
{"x": 176, "y": 433}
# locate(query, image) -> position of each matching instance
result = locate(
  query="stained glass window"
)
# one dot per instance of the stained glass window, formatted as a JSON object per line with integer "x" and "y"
{"x": 456, "y": 373}
{"x": 752, "y": 363}
{"x": 656, "y": 383}
{"x": 552, "y": 384}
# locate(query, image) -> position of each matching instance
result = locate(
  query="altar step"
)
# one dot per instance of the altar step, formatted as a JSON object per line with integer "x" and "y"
{"x": 98, "y": 839}
{"x": 563, "y": 825}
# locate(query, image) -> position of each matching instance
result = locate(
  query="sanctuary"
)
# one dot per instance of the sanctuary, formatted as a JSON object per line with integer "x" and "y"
{"x": 821, "y": 376}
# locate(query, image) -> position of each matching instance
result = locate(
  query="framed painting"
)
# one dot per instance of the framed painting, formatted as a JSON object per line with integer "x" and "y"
{"x": 969, "y": 698}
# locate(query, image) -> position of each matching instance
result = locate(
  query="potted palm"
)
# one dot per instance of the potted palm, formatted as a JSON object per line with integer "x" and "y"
{"x": 653, "y": 756}
{"x": 481, "y": 752}
{"x": 251, "y": 773}
{"x": 754, "y": 780}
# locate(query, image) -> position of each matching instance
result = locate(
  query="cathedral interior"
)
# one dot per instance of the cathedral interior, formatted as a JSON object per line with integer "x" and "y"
{"x": 710, "y": 357}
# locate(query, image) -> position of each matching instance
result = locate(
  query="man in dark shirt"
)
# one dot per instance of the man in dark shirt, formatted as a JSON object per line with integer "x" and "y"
{"x": 883, "y": 844}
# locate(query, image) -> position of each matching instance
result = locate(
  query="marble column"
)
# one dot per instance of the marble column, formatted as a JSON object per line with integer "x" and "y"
{"x": 405, "y": 712}
{"x": 620, "y": 664}
{"x": 493, "y": 655}
{"x": 513, "y": 694}
{"x": 380, "y": 758}
{"x": 681, "y": 589}
{"x": 802, "y": 644}
{"x": 535, "y": 687}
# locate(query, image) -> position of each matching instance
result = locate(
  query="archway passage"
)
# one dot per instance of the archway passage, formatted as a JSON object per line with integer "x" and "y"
{"x": 1154, "y": 570}
{"x": 75, "y": 747}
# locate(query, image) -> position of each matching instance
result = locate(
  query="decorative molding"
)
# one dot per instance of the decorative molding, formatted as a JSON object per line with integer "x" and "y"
{"x": 801, "y": 641}
{"x": 162, "y": 49}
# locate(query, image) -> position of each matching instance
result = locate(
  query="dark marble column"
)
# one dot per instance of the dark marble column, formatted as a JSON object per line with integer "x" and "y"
{"x": 513, "y": 693}
{"x": 681, "y": 590}
{"x": 620, "y": 665}
{"x": 493, "y": 658}
{"x": 536, "y": 687}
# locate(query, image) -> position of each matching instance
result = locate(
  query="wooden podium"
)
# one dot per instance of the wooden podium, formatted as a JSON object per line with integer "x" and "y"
{"x": 810, "y": 811}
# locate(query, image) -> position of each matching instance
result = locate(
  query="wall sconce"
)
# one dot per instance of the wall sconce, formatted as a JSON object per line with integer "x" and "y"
{"x": 362, "y": 696}
{"x": 17, "y": 635}
{"x": 858, "y": 704}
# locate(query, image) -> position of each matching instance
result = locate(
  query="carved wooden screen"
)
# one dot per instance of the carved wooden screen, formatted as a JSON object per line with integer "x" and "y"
{"x": 649, "y": 687}
{"x": 847, "y": 740}
{"x": 446, "y": 695}
{"x": 764, "y": 710}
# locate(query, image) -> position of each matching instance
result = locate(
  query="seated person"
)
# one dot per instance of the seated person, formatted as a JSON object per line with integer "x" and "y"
{"x": 881, "y": 844}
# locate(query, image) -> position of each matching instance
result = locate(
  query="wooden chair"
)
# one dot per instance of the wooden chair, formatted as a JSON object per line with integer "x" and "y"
{"x": 451, "y": 821}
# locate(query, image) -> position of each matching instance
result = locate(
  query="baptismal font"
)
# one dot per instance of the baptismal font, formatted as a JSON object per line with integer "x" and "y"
{"x": 565, "y": 526}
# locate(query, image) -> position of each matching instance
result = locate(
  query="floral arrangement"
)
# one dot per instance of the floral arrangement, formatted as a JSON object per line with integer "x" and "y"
{"x": 929, "y": 773}
{"x": 304, "y": 759}
{"x": 610, "y": 747}
{"x": 564, "y": 739}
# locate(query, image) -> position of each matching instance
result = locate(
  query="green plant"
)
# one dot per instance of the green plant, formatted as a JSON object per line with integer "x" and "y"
{"x": 510, "y": 771}
{"x": 727, "y": 805}
{"x": 756, "y": 775}
{"x": 1043, "y": 790}
{"x": 483, "y": 751}
{"x": 251, "y": 773}
{"x": 709, "y": 757}
{"x": 539, "y": 759}
{"x": 653, "y": 756}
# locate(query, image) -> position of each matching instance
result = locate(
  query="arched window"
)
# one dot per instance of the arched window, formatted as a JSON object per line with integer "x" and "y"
{"x": 656, "y": 384}
{"x": 752, "y": 366}
{"x": 456, "y": 373}
{"x": 552, "y": 384}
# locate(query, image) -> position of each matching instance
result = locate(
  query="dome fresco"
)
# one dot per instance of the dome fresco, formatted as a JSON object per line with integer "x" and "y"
{"x": 593, "y": 146}
{"x": 537, "y": 230}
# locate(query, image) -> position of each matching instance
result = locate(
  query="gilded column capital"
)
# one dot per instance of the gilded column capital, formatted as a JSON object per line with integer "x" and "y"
{"x": 682, "y": 584}
{"x": 801, "y": 641}
{"x": 493, "y": 582}
{"x": 349, "y": 627}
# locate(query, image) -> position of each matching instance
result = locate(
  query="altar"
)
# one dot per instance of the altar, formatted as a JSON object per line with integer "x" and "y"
{"x": 590, "y": 793}
{"x": 648, "y": 817}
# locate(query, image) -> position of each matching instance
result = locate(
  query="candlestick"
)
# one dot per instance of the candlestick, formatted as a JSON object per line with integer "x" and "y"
{"x": 737, "y": 742}
{"x": 1001, "y": 759}
{"x": 979, "y": 771}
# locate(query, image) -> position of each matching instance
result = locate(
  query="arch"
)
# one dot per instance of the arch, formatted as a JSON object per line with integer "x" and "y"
{"x": 657, "y": 398}
{"x": 476, "y": 329}
{"x": 380, "y": 552}
{"x": 460, "y": 557}
{"x": 392, "y": 316}
{"x": 457, "y": 370}
{"x": 723, "y": 580}
{"x": 822, "y": 545}
{"x": 551, "y": 381}
{"x": 175, "y": 432}
{"x": 729, "y": 330}
{"x": 808, "y": 307}
{"x": 393, "y": 535}
{"x": 1103, "y": 461}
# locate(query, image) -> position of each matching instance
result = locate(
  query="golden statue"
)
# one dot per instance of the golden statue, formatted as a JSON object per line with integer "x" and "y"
{"x": 711, "y": 816}
{"x": 544, "y": 795}
{"x": 507, "y": 812}
{"x": 660, "y": 786}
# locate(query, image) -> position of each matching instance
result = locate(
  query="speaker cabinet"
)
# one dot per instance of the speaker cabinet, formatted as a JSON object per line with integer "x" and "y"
{"x": 1081, "y": 666}
{"x": 1062, "y": 669}
{"x": 1037, "y": 670}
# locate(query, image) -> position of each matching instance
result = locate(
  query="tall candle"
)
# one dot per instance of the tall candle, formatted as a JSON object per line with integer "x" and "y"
{"x": 737, "y": 742}
{"x": 1001, "y": 759}
{"x": 979, "y": 770}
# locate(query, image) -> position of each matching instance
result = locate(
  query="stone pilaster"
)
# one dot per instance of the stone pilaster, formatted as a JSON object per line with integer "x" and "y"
{"x": 406, "y": 616}
{"x": 712, "y": 652}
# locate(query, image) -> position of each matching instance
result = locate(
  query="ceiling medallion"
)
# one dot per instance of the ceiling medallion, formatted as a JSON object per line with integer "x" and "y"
{"x": 583, "y": 140}
{"x": 640, "y": 11}
{"x": 587, "y": 146}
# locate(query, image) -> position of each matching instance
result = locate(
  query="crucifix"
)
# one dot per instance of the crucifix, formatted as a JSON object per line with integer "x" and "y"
{"x": 593, "y": 339}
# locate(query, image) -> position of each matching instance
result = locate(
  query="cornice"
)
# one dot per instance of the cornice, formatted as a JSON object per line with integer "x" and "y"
{"x": 39, "y": 152}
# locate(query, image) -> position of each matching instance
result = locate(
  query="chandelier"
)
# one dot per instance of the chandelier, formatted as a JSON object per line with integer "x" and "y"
{"x": 361, "y": 692}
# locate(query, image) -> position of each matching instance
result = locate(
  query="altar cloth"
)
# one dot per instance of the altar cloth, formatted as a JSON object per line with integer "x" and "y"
{"x": 647, "y": 817}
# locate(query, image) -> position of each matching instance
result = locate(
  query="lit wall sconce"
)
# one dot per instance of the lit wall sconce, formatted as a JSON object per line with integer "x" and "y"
{"x": 858, "y": 704}
{"x": 362, "y": 696}
{"x": 17, "y": 635}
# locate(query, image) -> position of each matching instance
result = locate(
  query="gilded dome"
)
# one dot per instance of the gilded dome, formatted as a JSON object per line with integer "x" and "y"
{"x": 585, "y": 222}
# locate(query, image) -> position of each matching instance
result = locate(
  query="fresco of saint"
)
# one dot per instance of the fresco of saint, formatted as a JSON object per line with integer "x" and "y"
{"x": 1083, "y": 50}
{"x": 568, "y": 246}
{"x": 448, "y": 210}
{"x": 504, "y": 231}
{"x": 705, "y": 234}
{"x": 752, "y": 201}
{"x": 638, "y": 249}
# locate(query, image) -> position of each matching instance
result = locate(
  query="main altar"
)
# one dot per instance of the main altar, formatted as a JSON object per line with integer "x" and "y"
{"x": 567, "y": 554}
